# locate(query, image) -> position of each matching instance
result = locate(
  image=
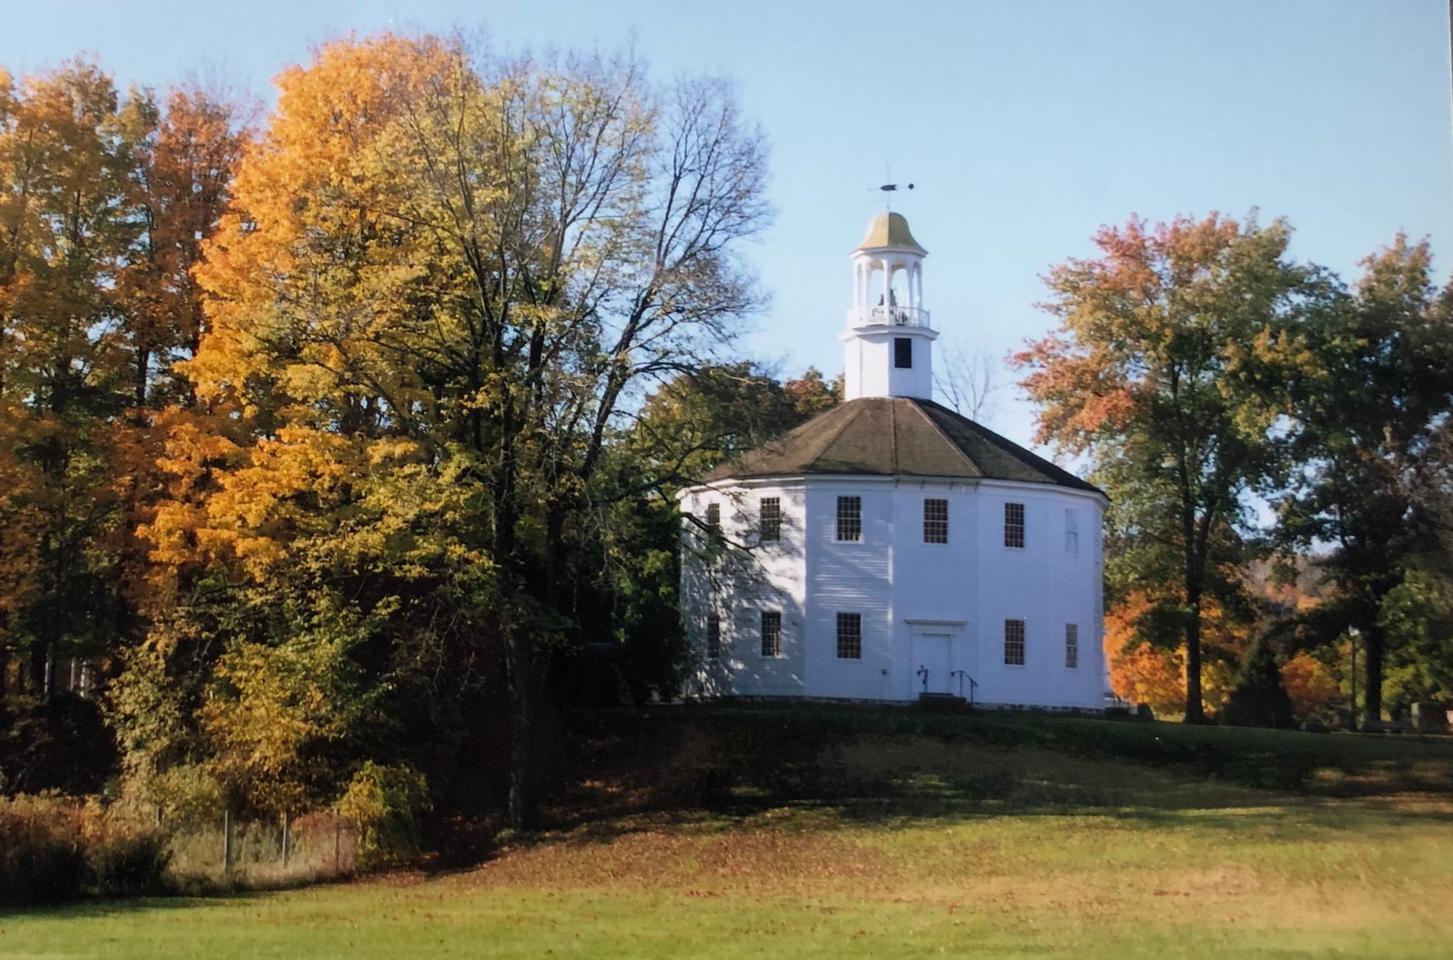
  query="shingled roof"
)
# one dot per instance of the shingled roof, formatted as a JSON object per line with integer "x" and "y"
{"x": 896, "y": 436}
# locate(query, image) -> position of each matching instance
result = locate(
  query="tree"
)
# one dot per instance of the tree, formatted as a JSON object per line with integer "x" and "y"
{"x": 688, "y": 426}
{"x": 101, "y": 215}
{"x": 476, "y": 264}
{"x": 1157, "y": 375}
{"x": 966, "y": 381}
{"x": 1258, "y": 698}
{"x": 1367, "y": 408}
{"x": 65, "y": 148}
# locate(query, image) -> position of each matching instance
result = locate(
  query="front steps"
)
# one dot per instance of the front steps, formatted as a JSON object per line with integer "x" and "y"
{"x": 943, "y": 703}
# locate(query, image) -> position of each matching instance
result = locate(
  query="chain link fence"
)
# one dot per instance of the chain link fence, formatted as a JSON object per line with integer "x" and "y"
{"x": 232, "y": 852}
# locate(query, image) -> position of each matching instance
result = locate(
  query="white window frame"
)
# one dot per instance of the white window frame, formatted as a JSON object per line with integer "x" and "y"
{"x": 776, "y": 503}
{"x": 1022, "y": 524}
{"x": 927, "y": 520}
{"x": 1072, "y": 646}
{"x": 762, "y": 635}
{"x": 838, "y": 518}
{"x": 1022, "y": 640}
{"x": 855, "y": 617}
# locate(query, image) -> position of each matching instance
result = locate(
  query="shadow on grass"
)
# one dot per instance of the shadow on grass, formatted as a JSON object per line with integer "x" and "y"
{"x": 899, "y": 768}
{"x": 81, "y": 909}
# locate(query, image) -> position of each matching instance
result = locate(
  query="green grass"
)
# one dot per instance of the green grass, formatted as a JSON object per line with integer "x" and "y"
{"x": 806, "y": 832}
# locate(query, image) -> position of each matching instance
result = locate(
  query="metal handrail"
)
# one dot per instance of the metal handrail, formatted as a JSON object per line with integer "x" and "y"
{"x": 973, "y": 684}
{"x": 963, "y": 675}
{"x": 891, "y": 315}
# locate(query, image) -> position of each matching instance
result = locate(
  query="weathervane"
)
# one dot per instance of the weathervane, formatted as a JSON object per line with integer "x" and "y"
{"x": 892, "y": 187}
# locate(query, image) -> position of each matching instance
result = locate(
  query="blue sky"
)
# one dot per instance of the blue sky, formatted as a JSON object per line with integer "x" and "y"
{"x": 1025, "y": 124}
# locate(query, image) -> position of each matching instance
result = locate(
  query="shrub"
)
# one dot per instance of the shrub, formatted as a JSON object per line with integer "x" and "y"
{"x": 124, "y": 856}
{"x": 57, "y": 848}
{"x": 1258, "y": 699}
{"x": 384, "y": 802}
{"x": 41, "y": 856}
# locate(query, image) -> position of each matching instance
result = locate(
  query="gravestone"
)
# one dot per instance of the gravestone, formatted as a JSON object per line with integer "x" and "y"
{"x": 1430, "y": 717}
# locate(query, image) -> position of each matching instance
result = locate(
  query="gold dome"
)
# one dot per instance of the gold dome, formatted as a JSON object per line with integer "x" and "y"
{"x": 890, "y": 229}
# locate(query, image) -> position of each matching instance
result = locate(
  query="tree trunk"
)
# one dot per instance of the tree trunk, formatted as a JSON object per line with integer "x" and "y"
{"x": 522, "y": 729}
{"x": 1195, "y": 713}
{"x": 1372, "y": 651}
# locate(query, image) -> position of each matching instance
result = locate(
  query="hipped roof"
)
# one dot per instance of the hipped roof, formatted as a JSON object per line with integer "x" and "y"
{"x": 897, "y": 436}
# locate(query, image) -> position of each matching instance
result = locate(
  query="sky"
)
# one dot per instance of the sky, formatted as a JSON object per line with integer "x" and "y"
{"x": 1025, "y": 124}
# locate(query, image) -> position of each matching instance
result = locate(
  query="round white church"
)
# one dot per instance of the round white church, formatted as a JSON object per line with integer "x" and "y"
{"x": 890, "y": 549}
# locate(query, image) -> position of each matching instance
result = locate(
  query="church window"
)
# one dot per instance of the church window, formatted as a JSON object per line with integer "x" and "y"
{"x": 1014, "y": 643}
{"x": 903, "y": 353}
{"x": 713, "y": 516}
{"x": 850, "y": 518}
{"x": 713, "y": 636}
{"x": 1014, "y": 525}
{"x": 935, "y": 521}
{"x": 771, "y": 518}
{"x": 1072, "y": 645}
{"x": 1072, "y": 532}
{"x": 850, "y": 636}
{"x": 771, "y": 633}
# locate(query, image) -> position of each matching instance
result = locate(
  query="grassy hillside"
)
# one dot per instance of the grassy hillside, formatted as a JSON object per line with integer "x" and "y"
{"x": 830, "y": 832}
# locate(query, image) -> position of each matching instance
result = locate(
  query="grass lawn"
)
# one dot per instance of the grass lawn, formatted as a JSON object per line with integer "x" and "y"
{"x": 804, "y": 832}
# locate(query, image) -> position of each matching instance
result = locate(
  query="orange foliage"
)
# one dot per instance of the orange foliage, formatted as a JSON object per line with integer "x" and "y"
{"x": 1141, "y": 673}
{"x": 1308, "y": 683}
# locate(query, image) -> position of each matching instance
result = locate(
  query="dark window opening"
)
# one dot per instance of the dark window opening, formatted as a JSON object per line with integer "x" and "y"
{"x": 903, "y": 353}
{"x": 771, "y": 633}
{"x": 1014, "y": 643}
{"x": 935, "y": 521}
{"x": 850, "y": 518}
{"x": 1014, "y": 525}
{"x": 850, "y": 636}
{"x": 771, "y": 518}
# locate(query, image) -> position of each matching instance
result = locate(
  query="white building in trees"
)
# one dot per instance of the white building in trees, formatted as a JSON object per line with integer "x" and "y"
{"x": 891, "y": 548}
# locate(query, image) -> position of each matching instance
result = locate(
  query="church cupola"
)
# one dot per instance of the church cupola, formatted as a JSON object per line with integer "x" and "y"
{"x": 888, "y": 346}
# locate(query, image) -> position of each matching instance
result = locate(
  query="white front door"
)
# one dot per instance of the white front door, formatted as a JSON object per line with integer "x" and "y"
{"x": 931, "y": 661}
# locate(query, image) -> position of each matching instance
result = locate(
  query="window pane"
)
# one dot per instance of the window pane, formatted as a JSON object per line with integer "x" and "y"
{"x": 1014, "y": 642}
{"x": 1013, "y": 524}
{"x": 713, "y": 636}
{"x": 935, "y": 521}
{"x": 771, "y": 633}
{"x": 903, "y": 353}
{"x": 1072, "y": 533}
{"x": 1072, "y": 645}
{"x": 713, "y": 515}
{"x": 850, "y": 636}
{"x": 771, "y": 518}
{"x": 850, "y": 518}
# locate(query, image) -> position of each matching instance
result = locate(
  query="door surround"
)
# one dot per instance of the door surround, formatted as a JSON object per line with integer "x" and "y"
{"x": 924, "y": 627}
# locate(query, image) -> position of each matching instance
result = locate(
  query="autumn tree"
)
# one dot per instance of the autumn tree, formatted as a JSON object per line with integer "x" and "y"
{"x": 94, "y": 306}
{"x": 1157, "y": 377}
{"x": 474, "y": 264}
{"x": 1368, "y": 408}
{"x": 68, "y": 151}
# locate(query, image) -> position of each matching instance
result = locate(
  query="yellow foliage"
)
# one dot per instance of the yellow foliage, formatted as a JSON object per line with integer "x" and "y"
{"x": 1145, "y": 674}
{"x": 1308, "y": 682}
